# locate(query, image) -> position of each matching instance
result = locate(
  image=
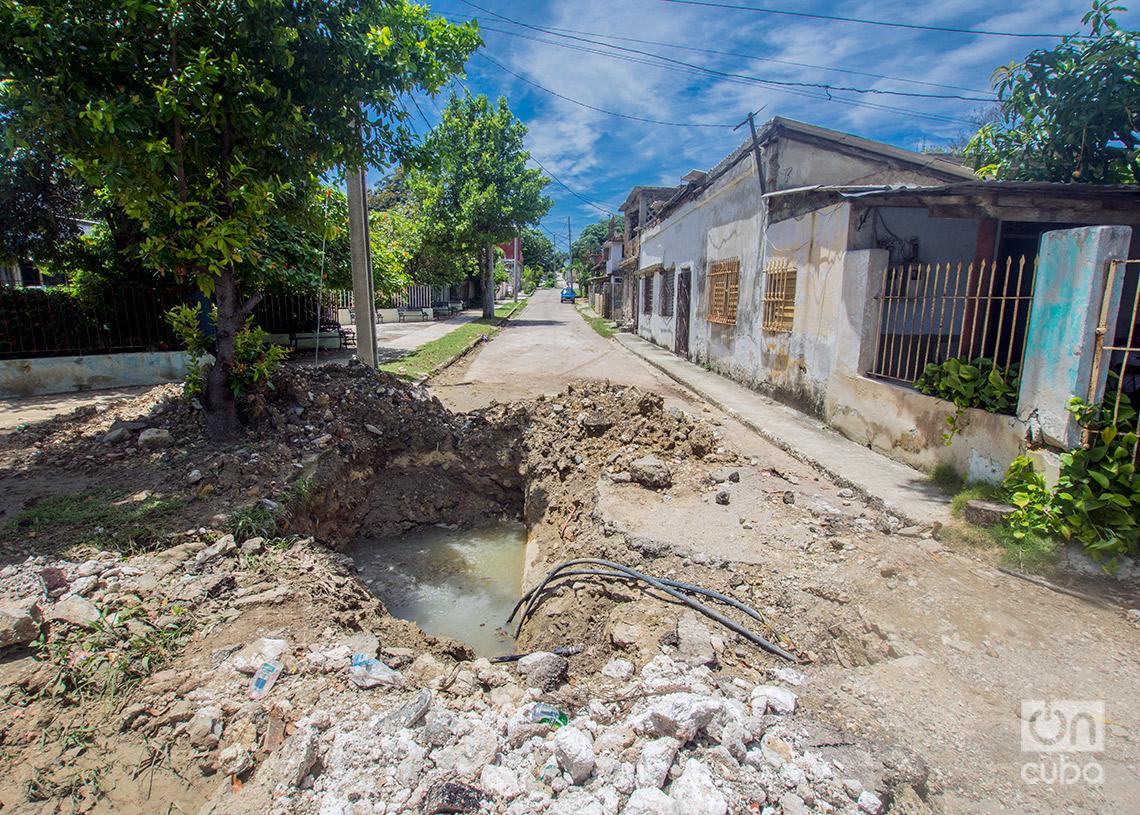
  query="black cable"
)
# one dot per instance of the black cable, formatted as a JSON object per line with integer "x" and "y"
{"x": 754, "y": 58}
{"x": 738, "y": 79}
{"x": 909, "y": 26}
{"x": 599, "y": 206}
{"x": 591, "y": 107}
{"x": 657, "y": 584}
{"x": 752, "y": 79}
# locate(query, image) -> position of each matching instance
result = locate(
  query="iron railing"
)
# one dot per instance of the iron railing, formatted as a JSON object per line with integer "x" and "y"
{"x": 935, "y": 312}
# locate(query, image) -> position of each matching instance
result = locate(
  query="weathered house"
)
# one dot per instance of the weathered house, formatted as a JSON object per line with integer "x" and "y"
{"x": 859, "y": 263}
{"x": 639, "y": 208}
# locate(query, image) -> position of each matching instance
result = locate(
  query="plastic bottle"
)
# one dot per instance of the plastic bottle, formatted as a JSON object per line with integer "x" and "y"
{"x": 263, "y": 680}
{"x": 543, "y": 712}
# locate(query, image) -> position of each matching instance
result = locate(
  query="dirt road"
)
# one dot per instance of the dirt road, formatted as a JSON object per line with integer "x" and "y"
{"x": 932, "y": 647}
{"x": 546, "y": 347}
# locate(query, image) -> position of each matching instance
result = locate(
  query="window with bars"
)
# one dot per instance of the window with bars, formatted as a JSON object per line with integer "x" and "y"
{"x": 779, "y": 296}
{"x": 647, "y": 294}
{"x": 724, "y": 290}
{"x": 668, "y": 292}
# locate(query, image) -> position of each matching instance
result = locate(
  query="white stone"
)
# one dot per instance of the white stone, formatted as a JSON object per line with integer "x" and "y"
{"x": 205, "y": 729}
{"x": 74, "y": 610}
{"x": 870, "y": 803}
{"x": 853, "y": 787}
{"x": 618, "y": 669}
{"x": 257, "y": 653}
{"x": 655, "y": 761}
{"x": 776, "y": 751}
{"x": 234, "y": 760}
{"x": 792, "y": 804}
{"x": 650, "y": 801}
{"x": 501, "y": 782}
{"x": 772, "y": 698}
{"x": 575, "y": 753}
{"x": 681, "y": 715}
{"x": 695, "y": 793}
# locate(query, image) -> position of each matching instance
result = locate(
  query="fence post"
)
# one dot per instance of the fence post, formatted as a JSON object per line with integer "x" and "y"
{"x": 1072, "y": 267}
{"x": 857, "y": 329}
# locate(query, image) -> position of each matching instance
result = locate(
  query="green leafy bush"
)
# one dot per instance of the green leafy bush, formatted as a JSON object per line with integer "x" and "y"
{"x": 254, "y": 360}
{"x": 976, "y": 383}
{"x": 1097, "y": 496}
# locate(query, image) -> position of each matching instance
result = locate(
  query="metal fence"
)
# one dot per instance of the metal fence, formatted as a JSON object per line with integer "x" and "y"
{"x": 935, "y": 312}
{"x": 37, "y": 322}
{"x": 280, "y": 313}
{"x": 1116, "y": 350}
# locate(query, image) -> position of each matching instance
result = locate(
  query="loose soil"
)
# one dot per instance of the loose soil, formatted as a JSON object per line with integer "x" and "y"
{"x": 911, "y": 649}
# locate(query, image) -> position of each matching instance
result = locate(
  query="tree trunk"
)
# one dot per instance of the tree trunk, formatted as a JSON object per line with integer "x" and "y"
{"x": 489, "y": 283}
{"x": 218, "y": 402}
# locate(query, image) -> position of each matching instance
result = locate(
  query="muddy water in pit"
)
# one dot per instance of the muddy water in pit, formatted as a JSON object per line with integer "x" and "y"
{"x": 459, "y": 583}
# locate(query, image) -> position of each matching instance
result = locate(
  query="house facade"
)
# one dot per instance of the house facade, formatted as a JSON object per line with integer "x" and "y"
{"x": 834, "y": 276}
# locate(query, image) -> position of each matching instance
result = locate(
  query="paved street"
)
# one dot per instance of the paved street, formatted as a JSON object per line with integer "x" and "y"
{"x": 539, "y": 352}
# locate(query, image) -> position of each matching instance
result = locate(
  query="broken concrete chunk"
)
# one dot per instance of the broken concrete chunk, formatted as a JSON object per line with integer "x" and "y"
{"x": 257, "y": 653}
{"x": 655, "y": 762}
{"x": 769, "y": 698}
{"x": 680, "y": 715}
{"x": 575, "y": 753}
{"x": 235, "y": 760}
{"x": 222, "y": 546}
{"x": 20, "y": 622}
{"x": 651, "y": 472}
{"x": 452, "y": 796}
{"x": 987, "y": 513}
{"x": 155, "y": 438}
{"x": 544, "y": 670}
{"x": 695, "y": 793}
{"x": 74, "y": 610}
{"x": 205, "y": 729}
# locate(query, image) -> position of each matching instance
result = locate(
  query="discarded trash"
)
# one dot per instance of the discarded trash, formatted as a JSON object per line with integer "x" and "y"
{"x": 409, "y": 713}
{"x": 263, "y": 680}
{"x": 561, "y": 650}
{"x": 546, "y": 713}
{"x": 367, "y": 672}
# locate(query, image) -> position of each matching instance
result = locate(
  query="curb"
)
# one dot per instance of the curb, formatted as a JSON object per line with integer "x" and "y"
{"x": 443, "y": 366}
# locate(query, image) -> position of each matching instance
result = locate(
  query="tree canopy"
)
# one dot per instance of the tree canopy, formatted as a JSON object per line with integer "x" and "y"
{"x": 591, "y": 238}
{"x": 201, "y": 119}
{"x": 537, "y": 249}
{"x": 1068, "y": 113}
{"x": 475, "y": 187}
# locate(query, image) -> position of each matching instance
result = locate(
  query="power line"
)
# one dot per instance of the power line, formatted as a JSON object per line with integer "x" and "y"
{"x": 739, "y": 79}
{"x": 600, "y": 206}
{"x": 783, "y": 83}
{"x": 909, "y": 26}
{"x": 779, "y": 83}
{"x": 753, "y": 57}
{"x": 592, "y": 107}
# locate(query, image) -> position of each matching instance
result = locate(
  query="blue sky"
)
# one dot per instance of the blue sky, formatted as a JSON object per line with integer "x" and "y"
{"x": 599, "y": 53}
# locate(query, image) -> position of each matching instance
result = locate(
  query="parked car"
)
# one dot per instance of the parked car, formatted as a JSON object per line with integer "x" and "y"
{"x": 568, "y": 295}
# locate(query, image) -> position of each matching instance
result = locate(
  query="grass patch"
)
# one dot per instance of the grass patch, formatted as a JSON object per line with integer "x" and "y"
{"x": 974, "y": 492}
{"x": 599, "y": 324}
{"x": 430, "y": 357}
{"x": 947, "y": 479}
{"x": 102, "y": 518}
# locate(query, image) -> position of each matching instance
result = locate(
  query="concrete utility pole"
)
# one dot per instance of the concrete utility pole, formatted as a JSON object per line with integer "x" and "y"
{"x": 751, "y": 122}
{"x": 363, "y": 288}
{"x": 569, "y": 254}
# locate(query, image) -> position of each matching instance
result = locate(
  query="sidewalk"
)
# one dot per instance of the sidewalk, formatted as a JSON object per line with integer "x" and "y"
{"x": 882, "y": 482}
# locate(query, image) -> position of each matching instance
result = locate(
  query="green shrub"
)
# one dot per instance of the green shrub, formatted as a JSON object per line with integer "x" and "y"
{"x": 968, "y": 384}
{"x": 254, "y": 360}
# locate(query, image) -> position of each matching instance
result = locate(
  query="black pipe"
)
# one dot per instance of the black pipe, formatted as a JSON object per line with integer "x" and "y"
{"x": 660, "y": 586}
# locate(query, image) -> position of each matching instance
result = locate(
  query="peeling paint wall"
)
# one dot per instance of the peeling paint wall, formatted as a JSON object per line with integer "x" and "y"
{"x": 35, "y": 377}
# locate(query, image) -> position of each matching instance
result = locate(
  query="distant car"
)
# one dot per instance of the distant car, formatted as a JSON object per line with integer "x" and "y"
{"x": 568, "y": 295}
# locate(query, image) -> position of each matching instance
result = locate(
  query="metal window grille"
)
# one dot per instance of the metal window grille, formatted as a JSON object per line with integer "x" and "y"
{"x": 1118, "y": 352}
{"x": 935, "y": 312}
{"x": 779, "y": 296}
{"x": 668, "y": 292}
{"x": 647, "y": 294}
{"x": 724, "y": 291}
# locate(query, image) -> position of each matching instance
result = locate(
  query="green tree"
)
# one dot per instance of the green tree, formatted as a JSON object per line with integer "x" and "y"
{"x": 591, "y": 238}
{"x": 199, "y": 118}
{"x": 537, "y": 249}
{"x": 39, "y": 204}
{"x": 475, "y": 187}
{"x": 1068, "y": 113}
